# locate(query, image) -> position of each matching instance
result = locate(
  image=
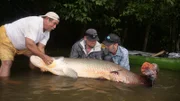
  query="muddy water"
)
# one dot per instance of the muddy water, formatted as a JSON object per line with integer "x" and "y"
{"x": 27, "y": 85}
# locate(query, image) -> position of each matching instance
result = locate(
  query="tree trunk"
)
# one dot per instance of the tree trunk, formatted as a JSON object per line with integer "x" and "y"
{"x": 178, "y": 44}
{"x": 178, "y": 37}
{"x": 83, "y": 30}
{"x": 173, "y": 35}
{"x": 146, "y": 37}
{"x": 124, "y": 35}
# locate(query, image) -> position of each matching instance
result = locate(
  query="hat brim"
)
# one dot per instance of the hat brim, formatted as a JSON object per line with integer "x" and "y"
{"x": 92, "y": 39}
{"x": 49, "y": 17}
{"x": 106, "y": 43}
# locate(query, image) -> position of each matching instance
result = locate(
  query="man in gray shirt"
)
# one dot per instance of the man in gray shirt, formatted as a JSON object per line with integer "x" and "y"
{"x": 88, "y": 46}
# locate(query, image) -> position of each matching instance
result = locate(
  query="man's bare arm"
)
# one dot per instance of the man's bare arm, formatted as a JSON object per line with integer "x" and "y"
{"x": 30, "y": 44}
{"x": 41, "y": 47}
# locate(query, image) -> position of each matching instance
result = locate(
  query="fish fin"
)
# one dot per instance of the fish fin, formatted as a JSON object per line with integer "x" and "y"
{"x": 101, "y": 78}
{"x": 70, "y": 73}
{"x": 59, "y": 72}
{"x": 46, "y": 68}
{"x": 116, "y": 72}
{"x": 149, "y": 72}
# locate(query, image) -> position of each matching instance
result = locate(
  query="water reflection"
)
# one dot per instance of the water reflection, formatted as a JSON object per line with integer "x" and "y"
{"x": 58, "y": 83}
{"x": 36, "y": 86}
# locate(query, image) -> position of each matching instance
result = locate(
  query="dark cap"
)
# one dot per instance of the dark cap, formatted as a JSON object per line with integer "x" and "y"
{"x": 91, "y": 34}
{"x": 111, "y": 39}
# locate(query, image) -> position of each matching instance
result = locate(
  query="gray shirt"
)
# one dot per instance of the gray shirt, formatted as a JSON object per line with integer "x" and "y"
{"x": 78, "y": 51}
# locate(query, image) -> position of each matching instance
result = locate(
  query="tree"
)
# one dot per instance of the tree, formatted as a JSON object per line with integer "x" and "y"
{"x": 147, "y": 13}
{"x": 88, "y": 12}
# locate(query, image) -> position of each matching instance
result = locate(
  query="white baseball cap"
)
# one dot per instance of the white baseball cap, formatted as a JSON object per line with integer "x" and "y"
{"x": 51, "y": 15}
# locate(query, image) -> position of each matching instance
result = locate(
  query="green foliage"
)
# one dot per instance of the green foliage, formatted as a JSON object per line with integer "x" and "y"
{"x": 147, "y": 11}
{"x": 77, "y": 10}
{"x": 106, "y": 15}
{"x": 99, "y": 2}
{"x": 87, "y": 11}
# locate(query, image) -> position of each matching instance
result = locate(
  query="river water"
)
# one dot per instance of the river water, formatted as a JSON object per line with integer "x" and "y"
{"x": 27, "y": 85}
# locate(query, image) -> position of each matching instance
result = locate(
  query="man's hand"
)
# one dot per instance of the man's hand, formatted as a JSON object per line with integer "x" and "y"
{"x": 48, "y": 60}
{"x": 39, "y": 51}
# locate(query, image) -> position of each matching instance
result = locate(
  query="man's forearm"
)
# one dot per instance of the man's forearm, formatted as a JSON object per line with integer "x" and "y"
{"x": 35, "y": 50}
{"x": 41, "y": 49}
{"x": 33, "y": 47}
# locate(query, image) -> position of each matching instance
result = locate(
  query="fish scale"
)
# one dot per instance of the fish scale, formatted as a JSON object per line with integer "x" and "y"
{"x": 88, "y": 68}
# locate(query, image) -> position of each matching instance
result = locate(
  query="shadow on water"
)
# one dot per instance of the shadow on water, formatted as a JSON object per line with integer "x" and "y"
{"x": 27, "y": 85}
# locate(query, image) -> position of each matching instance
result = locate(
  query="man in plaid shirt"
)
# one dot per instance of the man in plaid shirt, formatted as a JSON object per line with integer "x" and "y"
{"x": 117, "y": 53}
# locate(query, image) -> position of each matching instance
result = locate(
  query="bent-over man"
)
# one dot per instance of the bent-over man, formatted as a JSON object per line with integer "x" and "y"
{"x": 26, "y": 36}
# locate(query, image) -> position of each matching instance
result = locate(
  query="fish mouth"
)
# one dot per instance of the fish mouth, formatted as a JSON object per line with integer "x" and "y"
{"x": 38, "y": 62}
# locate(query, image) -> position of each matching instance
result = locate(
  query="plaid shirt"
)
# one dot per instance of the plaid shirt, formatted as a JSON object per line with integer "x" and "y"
{"x": 121, "y": 57}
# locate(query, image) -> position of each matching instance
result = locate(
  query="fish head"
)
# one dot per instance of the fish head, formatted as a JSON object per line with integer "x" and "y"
{"x": 37, "y": 61}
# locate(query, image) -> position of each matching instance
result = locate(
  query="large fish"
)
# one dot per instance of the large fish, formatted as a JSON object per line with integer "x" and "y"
{"x": 99, "y": 69}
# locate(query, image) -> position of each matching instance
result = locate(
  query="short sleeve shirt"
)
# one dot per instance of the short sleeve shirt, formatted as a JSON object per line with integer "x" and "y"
{"x": 29, "y": 27}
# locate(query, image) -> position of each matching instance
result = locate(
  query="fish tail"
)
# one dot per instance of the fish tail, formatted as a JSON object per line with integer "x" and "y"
{"x": 149, "y": 73}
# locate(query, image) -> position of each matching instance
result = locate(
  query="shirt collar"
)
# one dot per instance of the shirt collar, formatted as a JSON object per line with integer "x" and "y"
{"x": 118, "y": 52}
{"x": 97, "y": 47}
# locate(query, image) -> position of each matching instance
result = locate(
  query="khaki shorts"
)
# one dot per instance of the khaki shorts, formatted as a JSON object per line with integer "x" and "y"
{"x": 7, "y": 50}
